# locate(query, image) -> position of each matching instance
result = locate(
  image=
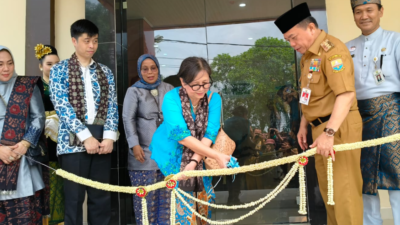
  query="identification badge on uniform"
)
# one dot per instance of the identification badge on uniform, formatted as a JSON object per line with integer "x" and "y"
{"x": 315, "y": 65}
{"x": 337, "y": 65}
{"x": 305, "y": 96}
{"x": 378, "y": 76}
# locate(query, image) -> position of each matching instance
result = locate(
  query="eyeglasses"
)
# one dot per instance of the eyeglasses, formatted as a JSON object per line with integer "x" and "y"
{"x": 152, "y": 69}
{"x": 198, "y": 86}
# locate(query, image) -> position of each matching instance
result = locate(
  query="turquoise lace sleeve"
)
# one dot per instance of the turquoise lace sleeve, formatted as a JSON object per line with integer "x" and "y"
{"x": 178, "y": 133}
{"x": 212, "y": 135}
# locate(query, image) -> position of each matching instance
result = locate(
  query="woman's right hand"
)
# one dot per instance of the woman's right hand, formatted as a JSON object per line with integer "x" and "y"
{"x": 6, "y": 153}
{"x": 138, "y": 153}
{"x": 223, "y": 160}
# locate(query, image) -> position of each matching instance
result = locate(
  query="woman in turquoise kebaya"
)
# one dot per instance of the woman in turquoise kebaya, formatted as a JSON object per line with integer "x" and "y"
{"x": 190, "y": 126}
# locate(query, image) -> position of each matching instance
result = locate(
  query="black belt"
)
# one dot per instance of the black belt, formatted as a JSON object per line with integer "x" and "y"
{"x": 320, "y": 121}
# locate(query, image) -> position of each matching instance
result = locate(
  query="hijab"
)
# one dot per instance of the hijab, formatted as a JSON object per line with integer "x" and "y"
{"x": 141, "y": 83}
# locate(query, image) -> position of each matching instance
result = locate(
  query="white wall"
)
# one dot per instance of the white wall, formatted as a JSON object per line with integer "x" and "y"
{"x": 66, "y": 13}
{"x": 13, "y": 27}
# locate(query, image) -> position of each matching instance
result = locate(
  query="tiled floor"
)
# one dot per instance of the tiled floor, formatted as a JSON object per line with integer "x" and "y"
{"x": 283, "y": 209}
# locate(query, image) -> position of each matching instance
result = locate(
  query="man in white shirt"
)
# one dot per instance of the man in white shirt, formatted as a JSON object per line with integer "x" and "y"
{"x": 83, "y": 94}
{"x": 376, "y": 56}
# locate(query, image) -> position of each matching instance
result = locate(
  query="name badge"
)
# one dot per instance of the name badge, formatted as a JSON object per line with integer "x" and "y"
{"x": 305, "y": 96}
{"x": 378, "y": 77}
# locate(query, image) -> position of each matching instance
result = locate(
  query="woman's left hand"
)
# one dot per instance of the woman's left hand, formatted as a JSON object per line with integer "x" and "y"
{"x": 20, "y": 148}
{"x": 188, "y": 167}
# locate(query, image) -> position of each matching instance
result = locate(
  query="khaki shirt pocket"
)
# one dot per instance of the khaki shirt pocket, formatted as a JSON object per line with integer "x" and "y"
{"x": 315, "y": 78}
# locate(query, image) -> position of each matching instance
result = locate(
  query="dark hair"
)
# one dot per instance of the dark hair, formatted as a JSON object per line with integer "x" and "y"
{"x": 379, "y": 7}
{"x": 191, "y": 66}
{"x": 304, "y": 23}
{"x": 240, "y": 111}
{"x": 53, "y": 52}
{"x": 83, "y": 26}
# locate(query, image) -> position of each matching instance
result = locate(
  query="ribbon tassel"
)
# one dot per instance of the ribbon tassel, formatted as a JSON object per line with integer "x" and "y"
{"x": 145, "y": 217}
{"x": 303, "y": 199}
{"x": 173, "y": 205}
{"x": 330, "y": 182}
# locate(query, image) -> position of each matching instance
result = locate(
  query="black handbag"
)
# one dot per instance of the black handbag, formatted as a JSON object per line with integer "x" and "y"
{"x": 39, "y": 153}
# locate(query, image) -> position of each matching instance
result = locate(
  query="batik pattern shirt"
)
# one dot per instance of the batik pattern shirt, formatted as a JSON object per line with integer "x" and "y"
{"x": 69, "y": 123}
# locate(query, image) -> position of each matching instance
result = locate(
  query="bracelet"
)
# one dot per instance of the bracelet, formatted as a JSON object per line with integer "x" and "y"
{"x": 193, "y": 160}
{"x": 26, "y": 146}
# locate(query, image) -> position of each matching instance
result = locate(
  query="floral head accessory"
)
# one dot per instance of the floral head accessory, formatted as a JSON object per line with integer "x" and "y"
{"x": 41, "y": 51}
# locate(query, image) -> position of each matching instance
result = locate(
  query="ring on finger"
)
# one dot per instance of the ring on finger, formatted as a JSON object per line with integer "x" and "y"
{"x": 11, "y": 158}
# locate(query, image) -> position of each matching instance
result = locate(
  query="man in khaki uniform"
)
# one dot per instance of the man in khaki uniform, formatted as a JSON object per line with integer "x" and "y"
{"x": 329, "y": 105}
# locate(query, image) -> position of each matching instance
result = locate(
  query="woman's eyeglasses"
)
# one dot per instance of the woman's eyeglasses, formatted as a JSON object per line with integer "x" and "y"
{"x": 198, "y": 86}
{"x": 152, "y": 69}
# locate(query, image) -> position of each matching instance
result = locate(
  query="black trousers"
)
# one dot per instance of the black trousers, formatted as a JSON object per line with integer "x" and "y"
{"x": 97, "y": 168}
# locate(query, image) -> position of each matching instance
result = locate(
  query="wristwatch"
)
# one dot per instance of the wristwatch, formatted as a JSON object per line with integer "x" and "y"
{"x": 329, "y": 132}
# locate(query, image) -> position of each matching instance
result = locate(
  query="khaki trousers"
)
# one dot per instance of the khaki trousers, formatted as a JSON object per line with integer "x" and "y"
{"x": 347, "y": 178}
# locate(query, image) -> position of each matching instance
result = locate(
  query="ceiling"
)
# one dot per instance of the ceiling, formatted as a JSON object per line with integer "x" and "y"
{"x": 164, "y": 14}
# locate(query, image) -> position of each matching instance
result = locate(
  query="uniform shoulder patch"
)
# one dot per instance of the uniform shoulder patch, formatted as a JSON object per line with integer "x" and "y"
{"x": 327, "y": 45}
{"x": 337, "y": 64}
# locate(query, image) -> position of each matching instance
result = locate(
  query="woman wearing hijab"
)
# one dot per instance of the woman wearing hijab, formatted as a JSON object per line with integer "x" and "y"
{"x": 47, "y": 56}
{"x": 142, "y": 115}
{"x": 21, "y": 123}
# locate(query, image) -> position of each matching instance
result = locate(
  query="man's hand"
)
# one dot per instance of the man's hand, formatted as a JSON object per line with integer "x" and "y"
{"x": 106, "y": 146}
{"x": 302, "y": 138}
{"x": 92, "y": 145}
{"x": 324, "y": 145}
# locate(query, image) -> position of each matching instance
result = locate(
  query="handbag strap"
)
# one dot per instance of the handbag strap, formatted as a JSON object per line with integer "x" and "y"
{"x": 222, "y": 109}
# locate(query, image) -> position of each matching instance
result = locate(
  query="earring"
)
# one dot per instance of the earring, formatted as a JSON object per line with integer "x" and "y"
{"x": 41, "y": 69}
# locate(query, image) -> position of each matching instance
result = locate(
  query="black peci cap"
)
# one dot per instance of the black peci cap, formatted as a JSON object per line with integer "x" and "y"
{"x": 292, "y": 17}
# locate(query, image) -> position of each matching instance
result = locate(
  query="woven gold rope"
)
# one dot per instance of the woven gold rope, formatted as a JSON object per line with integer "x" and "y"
{"x": 221, "y": 172}
{"x": 254, "y": 167}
